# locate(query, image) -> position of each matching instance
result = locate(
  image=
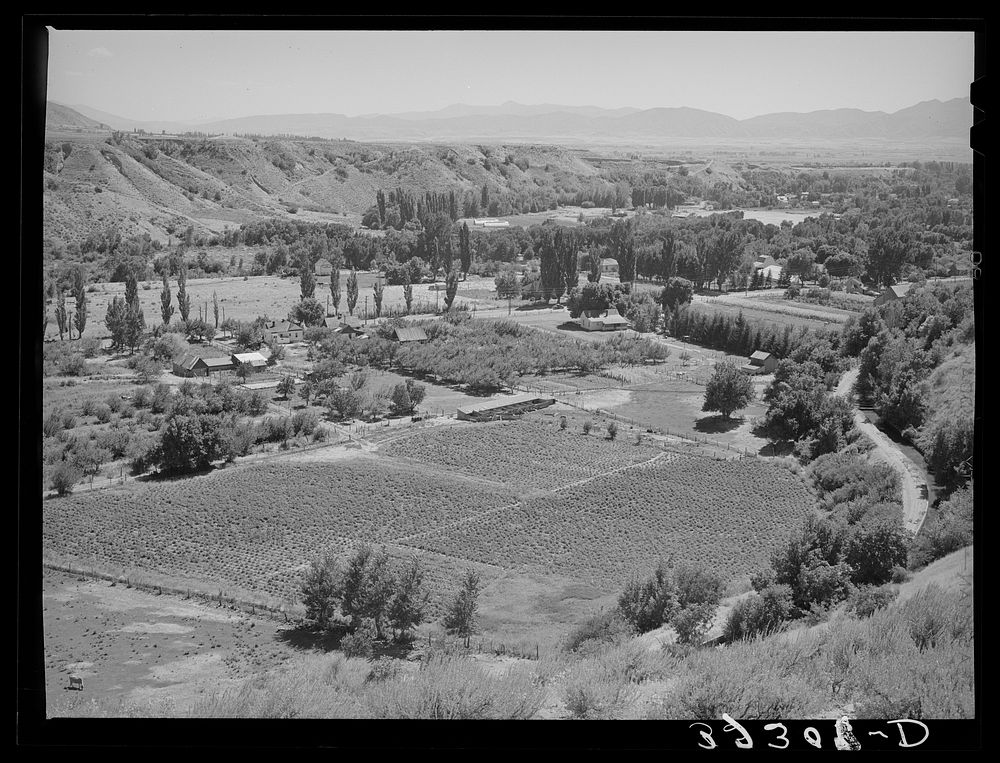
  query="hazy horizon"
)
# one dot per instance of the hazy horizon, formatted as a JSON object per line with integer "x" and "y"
{"x": 199, "y": 76}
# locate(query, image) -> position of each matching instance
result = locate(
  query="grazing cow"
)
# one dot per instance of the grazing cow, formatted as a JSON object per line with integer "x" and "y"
{"x": 75, "y": 682}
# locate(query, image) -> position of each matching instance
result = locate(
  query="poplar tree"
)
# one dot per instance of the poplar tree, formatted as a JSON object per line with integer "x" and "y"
{"x": 215, "y": 308}
{"x": 183, "y": 298}
{"x": 80, "y": 294}
{"x": 464, "y": 249}
{"x": 61, "y": 317}
{"x": 450, "y": 289}
{"x": 166, "y": 309}
{"x": 335, "y": 286}
{"x": 378, "y": 290}
{"x": 352, "y": 291}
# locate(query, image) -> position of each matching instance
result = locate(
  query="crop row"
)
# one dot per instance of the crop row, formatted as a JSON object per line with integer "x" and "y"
{"x": 728, "y": 515}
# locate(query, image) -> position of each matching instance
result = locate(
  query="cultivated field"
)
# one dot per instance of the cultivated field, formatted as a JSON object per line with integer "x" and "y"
{"x": 726, "y": 515}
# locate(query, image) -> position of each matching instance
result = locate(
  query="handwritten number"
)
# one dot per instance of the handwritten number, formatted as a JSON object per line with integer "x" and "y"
{"x": 706, "y": 735}
{"x": 812, "y": 736}
{"x": 783, "y": 736}
{"x": 746, "y": 742}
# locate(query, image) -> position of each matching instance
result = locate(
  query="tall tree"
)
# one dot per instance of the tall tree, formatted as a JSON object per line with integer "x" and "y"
{"x": 335, "y": 286}
{"x": 450, "y": 289}
{"x": 408, "y": 295}
{"x": 62, "y": 321}
{"x": 215, "y": 308}
{"x": 728, "y": 389}
{"x": 352, "y": 291}
{"x": 166, "y": 309}
{"x": 367, "y": 587}
{"x": 183, "y": 298}
{"x": 135, "y": 321}
{"x": 549, "y": 262}
{"x": 460, "y": 617}
{"x": 321, "y": 591}
{"x": 409, "y": 600}
{"x": 80, "y": 295}
{"x": 307, "y": 275}
{"x": 464, "y": 248}
{"x": 114, "y": 320}
{"x": 378, "y": 290}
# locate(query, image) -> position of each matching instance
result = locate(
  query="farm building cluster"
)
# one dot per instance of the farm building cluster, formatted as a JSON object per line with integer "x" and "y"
{"x": 196, "y": 365}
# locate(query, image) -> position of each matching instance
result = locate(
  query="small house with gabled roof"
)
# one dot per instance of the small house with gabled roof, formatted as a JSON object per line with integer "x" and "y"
{"x": 760, "y": 363}
{"x": 603, "y": 320}
{"x": 255, "y": 359}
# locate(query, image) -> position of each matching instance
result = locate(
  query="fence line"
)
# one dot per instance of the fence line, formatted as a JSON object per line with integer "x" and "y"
{"x": 520, "y": 650}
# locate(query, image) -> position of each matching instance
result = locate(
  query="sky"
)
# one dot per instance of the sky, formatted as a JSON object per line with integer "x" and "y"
{"x": 205, "y": 75}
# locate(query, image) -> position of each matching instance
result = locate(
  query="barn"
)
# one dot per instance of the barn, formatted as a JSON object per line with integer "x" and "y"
{"x": 512, "y": 405}
{"x": 760, "y": 363}
{"x": 892, "y": 293}
{"x": 194, "y": 365}
{"x": 406, "y": 335}
{"x": 603, "y": 320}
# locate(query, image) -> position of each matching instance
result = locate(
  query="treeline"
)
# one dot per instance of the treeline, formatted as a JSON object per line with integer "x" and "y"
{"x": 917, "y": 357}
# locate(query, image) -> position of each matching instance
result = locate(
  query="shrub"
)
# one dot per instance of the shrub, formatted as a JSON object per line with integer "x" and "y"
{"x": 755, "y": 680}
{"x": 587, "y": 426}
{"x": 612, "y": 430}
{"x": 383, "y": 669}
{"x": 305, "y": 422}
{"x": 604, "y": 627}
{"x": 451, "y": 687}
{"x": 865, "y": 601}
{"x": 760, "y": 614}
{"x": 591, "y": 693}
{"x": 103, "y": 413}
{"x": 361, "y": 643}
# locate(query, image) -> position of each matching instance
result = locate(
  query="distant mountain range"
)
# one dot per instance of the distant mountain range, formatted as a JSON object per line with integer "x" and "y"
{"x": 518, "y": 122}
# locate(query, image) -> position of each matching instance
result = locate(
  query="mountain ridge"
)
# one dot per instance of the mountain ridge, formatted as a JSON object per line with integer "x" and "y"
{"x": 928, "y": 119}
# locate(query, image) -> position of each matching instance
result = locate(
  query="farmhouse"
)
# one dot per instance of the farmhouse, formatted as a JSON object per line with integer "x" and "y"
{"x": 506, "y": 406}
{"x": 603, "y": 320}
{"x": 255, "y": 359}
{"x": 348, "y": 326}
{"x": 323, "y": 267}
{"x": 283, "y": 332}
{"x": 403, "y": 335}
{"x": 760, "y": 363}
{"x": 894, "y": 292}
{"x": 194, "y": 365}
{"x": 609, "y": 265}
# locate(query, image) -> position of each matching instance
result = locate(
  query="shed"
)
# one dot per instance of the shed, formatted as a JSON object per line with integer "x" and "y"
{"x": 348, "y": 326}
{"x": 255, "y": 359}
{"x": 603, "y": 320}
{"x": 415, "y": 334}
{"x": 511, "y": 405}
{"x": 760, "y": 363}
{"x": 609, "y": 265}
{"x": 894, "y": 292}
{"x": 323, "y": 267}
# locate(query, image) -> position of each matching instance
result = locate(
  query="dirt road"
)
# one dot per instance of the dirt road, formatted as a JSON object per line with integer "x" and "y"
{"x": 914, "y": 486}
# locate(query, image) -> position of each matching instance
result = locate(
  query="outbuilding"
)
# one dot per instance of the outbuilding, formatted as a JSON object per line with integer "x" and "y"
{"x": 194, "y": 365}
{"x": 408, "y": 334}
{"x": 892, "y": 293}
{"x": 255, "y": 359}
{"x": 511, "y": 405}
{"x": 760, "y": 363}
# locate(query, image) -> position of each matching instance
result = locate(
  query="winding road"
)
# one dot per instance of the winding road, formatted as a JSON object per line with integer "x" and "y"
{"x": 913, "y": 482}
